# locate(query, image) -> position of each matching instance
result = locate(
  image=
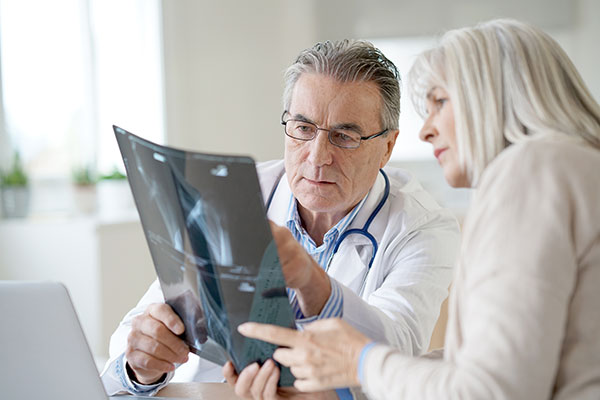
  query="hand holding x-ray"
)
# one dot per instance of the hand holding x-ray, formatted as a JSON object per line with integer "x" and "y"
{"x": 153, "y": 345}
{"x": 301, "y": 272}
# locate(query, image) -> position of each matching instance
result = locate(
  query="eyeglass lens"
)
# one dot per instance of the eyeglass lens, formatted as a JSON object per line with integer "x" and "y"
{"x": 307, "y": 131}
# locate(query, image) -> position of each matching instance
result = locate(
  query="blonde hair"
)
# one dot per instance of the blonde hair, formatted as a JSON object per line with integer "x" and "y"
{"x": 508, "y": 82}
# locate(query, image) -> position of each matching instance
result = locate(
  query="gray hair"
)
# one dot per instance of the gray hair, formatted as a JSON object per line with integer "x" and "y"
{"x": 508, "y": 82}
{"x": 350, "y": 61}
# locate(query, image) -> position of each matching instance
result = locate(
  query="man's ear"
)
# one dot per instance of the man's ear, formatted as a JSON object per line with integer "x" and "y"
{"x": 390, "y": 143}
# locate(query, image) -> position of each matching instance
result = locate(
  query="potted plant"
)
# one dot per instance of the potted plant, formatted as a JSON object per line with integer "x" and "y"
{"x": 115, "y": 175}
{"x": 114, "y": 195}
{"x": 14, "y": 190}
{"x": 84, "y": 180}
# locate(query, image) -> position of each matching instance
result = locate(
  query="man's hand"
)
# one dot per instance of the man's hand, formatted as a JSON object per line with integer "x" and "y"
{"x": 301, "y": 272}
{"x": 153, "y": 346}
{"x": 260, "y": 383}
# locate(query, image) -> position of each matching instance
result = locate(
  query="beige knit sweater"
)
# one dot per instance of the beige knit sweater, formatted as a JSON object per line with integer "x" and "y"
{"x": 525, "y": 307}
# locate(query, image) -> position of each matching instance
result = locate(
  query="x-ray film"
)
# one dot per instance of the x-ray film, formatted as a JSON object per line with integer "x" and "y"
{"x": 205, "y": 223}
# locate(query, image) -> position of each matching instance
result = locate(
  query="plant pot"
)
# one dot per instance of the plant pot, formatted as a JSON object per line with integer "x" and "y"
{"x": 15, "y": 201}
{"x": 85, "y": 198}
{"x": 114, "y": 197}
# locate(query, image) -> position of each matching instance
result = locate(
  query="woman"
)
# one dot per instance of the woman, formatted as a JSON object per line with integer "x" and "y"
{"x": 506, "y": 112}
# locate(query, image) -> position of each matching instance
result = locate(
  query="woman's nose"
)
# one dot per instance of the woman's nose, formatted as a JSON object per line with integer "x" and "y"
{"x": 427, "y": 132}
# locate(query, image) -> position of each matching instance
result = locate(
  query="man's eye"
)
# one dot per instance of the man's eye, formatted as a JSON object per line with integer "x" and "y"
{"x": 344, "y": 137}
{"x": 304, "y": 128}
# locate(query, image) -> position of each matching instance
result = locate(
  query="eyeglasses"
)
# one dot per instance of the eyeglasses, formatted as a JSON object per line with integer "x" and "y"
{"x": 307, "y": 131}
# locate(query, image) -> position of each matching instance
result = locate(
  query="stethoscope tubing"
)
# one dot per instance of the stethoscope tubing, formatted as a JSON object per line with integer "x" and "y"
{"x": 365, "y": 229}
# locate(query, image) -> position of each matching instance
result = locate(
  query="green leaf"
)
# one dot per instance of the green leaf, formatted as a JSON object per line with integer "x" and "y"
{"x": 16, "y": 176}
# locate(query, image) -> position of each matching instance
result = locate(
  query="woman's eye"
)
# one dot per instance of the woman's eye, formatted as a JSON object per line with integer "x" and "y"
{"x": 440, "y": 102}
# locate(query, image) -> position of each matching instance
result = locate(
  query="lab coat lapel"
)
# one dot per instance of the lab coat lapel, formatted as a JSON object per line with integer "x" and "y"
{"x": 349, "y": 265}
{"x": 278, "y": 210}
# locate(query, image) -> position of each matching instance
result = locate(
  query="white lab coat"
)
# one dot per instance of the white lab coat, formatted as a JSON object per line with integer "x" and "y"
{"x": 404, "y": 289}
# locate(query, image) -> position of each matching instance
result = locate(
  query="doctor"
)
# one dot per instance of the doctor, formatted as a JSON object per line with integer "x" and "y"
{"x": 365, "y": 243}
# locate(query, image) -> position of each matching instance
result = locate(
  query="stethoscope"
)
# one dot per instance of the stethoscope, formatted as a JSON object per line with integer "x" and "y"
{"x": 363, "y": 231}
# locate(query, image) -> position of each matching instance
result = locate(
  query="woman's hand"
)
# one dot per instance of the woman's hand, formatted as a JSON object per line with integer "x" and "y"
{"x": 323, "y": 356}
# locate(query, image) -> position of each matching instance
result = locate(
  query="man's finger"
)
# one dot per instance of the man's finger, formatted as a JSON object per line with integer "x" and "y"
{"x": 245, "y": 379}
{"x": 260, "y": 380}
{"x": 159, "y": 332}
{"x": 273, "y": 225}
{"x": 157, "y": 349}
{"x": 271, "y": 385}
{"x": 148, "y": 363}
{"x": 165, "y": 314}
{"x": 282, "y": 236}
{"x": 229, "y": 373}
{"x": 270, "y": 333}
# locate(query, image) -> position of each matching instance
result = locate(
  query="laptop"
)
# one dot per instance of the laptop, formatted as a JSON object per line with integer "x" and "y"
{"x": 43, "y": 351}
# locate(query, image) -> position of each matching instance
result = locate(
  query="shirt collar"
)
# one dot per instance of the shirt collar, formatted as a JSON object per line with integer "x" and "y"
{"x": 294, "y": 223}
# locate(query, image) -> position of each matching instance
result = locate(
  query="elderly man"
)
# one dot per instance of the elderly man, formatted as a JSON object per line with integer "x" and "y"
{"x": 363, "y": 243}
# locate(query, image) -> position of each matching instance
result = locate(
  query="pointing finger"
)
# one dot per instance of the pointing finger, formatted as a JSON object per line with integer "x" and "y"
{"x": 270, "y": 333}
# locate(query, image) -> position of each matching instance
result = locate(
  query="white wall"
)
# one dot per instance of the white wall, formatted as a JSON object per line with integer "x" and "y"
{"x": 224, "y": 60}
{"x": 395, "y": 18}
{"x": 224, "y": 63}
{"x": 586, "y": 50}
{"x": 59, "y": 250}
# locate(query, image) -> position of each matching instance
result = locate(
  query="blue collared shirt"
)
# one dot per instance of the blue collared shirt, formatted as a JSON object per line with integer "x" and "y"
{"x": 322, "y": 255}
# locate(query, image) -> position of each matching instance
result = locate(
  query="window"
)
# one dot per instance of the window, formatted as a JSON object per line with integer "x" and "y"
{"x": 70, "y": 70}
{"x": 410, "y": 152}
{"x": 402, "y": 52}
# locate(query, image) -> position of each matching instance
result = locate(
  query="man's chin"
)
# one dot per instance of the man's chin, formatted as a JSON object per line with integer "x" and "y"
{"x": 330, "y": 204}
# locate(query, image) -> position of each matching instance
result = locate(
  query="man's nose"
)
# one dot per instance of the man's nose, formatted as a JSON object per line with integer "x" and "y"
{"x": 320, "y": 149}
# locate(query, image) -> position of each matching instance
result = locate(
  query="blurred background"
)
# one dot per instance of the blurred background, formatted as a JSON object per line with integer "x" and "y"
{"x": 195, "y": 74}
